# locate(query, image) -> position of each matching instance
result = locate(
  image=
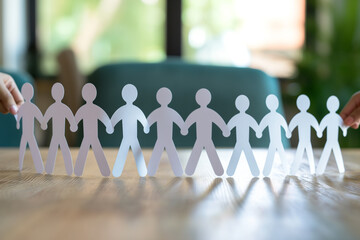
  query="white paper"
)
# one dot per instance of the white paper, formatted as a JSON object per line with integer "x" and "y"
{"x": 303, "y": 121}
{"x": 90, "y": 114}
{"x": 243, "y": 122}
{"x": 59, "y": 113}
{"x": 165, "y": 117}
{"x": 204, "y": 117}
{"x": 129, "y": 114}
{"x": 332, "y": 122}
{"x": 274, "y": 121}
{"x": 28, "y": 112}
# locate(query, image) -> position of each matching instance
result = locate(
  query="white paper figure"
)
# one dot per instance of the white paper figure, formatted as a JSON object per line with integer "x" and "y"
{"x": 332, "y": 121}
{"x": 90, "y": 113}
{"x": 243, "y": 122}
{"x": 130, "y": 115}
{"x": 274, "y": 122}
{"x": 303, "y": 121}
{"x": 165, "y": 117}
{"x": 204, "y": 117}
{"x": 59, "y": 112}
{"x": 28, "y": 112}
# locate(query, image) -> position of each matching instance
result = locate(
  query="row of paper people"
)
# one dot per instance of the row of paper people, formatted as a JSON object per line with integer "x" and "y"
{"x": 165, "y": 117}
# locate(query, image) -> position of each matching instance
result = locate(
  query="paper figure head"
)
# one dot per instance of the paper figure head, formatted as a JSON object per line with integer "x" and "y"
{"x": 242, "y": 103}
{"x": 272, "y": 102}
{"x": 303, "y": 102}
{"x": 57, "y": 91}
{"x": 164, "y": 96}
{"x": 129, "y": 93}
{"x": 27, "y": 91}
{"x": 203, "y": 97}
{"x": 89, "y": 92}
{"x": 332, "y": 104}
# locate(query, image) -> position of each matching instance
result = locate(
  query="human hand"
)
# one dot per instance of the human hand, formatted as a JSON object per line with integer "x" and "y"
{"x": 10, "y": 96}
{"x": 73, "y": 127}
{"x": 109, "y": 129}
{"x": 351, "y": 112}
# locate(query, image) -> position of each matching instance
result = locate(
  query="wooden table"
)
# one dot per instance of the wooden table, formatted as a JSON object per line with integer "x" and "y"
{"x": 36, "y": 206}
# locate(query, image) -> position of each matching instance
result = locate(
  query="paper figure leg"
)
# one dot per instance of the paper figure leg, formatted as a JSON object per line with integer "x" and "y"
{"x": 22, "y": 150}
{"x": 155, "y": 159}
{"x": 339, "y": 158}
{"x": 139, "y": 159}
{"x": 100, "y": 158}
{"x": 298, "y": 157}
{"x": 269, "y": 161}
{"x": 120, "y": 159}
{"x": 323, "y": 159}
{"x": 50, "y": 162}
{"x": 251, "y": 161}
{"x": 214, "y": 159}
{"x": 81, "y": 158}
{"x": 234, "y": 160}
{"x": 310, "y": 155}
{"x": 35, "y": 153}
{"x": 174, "y": 159}
{"x": 194, "y": 159}
{"x": 67, "y": 156}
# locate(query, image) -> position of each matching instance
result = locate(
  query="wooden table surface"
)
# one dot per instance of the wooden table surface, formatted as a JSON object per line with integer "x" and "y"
{"x": 39, "y": 206}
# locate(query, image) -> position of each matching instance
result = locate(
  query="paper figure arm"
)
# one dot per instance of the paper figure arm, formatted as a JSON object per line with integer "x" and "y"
{"x": 294, "y": 123}
{"x": 314, "y": 123}
{"x": 190, "y": 120}
{"x": 342, "y": 126}
{"x": 104, "y": 118}
{"x": 177, "y": 119}
{"x": 285, "y": 126}
{"x": 37, "y": 114}
{"x": 322, "y": 126}
{"x": 217, "y": 119}
{"x": 232, "y": 123}
{"x": 117, "y": 116}
{"x": 71, "y": 119}
{"x": 80, "y": 114}
{"x": 48, "y": 114}
{"x": 254, "y": 125}
{"x": 152, "y": 118}
{"x": 142, "y": 119}
{"x": 263, "y": 124}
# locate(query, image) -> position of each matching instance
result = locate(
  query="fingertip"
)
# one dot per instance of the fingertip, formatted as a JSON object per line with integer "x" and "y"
{"x": 349, "y": 121}
{"x": 13, "y": 109}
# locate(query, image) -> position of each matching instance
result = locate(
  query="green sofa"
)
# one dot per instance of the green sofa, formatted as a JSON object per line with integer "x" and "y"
{"x": 10, "y": 136}
{"x": 184, "y": 80}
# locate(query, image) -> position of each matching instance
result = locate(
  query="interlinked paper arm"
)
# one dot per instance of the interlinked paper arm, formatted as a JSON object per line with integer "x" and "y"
{"x": 218, "y": 121}
{"x": 263, "y": 124}
{"x": 104, "y": 118}
{"x": 117, "y": 116}
{"x": 188, "y": 123}
{"x": 142, "y": 119}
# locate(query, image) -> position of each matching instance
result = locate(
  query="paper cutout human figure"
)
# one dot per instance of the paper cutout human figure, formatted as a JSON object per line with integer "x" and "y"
{"x": 242, "y": 122}
{"x": 130, "y": 115}
{"x": 28, "y": 112}
{"x": 332, "y": 122}
{"x": 58, "y": 112}
{"x": 303, "y": 121}
{"x": 90, "y": 114}
{"x": 165, "y": 118}
{"x": 204, "y": 117}
{"x": 274, "y": 121}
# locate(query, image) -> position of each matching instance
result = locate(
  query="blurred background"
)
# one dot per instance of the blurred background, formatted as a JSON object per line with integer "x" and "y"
{"x": 311, "y": 47}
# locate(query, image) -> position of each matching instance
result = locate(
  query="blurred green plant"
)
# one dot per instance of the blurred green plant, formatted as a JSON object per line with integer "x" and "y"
{"x": 330, "y": 63}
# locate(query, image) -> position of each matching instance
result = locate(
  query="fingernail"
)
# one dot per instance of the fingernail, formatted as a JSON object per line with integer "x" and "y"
{"x": 13, "y": 109}
{"x": 349, "y": 120}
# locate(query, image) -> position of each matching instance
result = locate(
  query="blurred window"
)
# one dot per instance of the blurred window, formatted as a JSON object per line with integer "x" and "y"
{"x": 259, "y": 33}
{"x": 100, "y": 31}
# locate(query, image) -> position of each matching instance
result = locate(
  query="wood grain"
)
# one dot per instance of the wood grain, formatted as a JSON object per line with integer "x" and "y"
{"x": 39, "y": 206}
